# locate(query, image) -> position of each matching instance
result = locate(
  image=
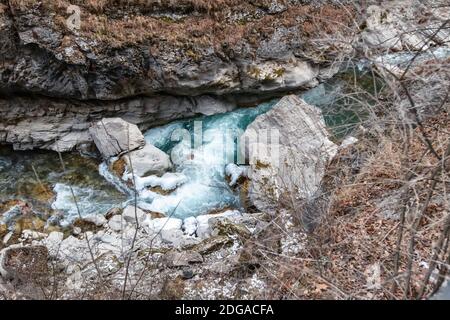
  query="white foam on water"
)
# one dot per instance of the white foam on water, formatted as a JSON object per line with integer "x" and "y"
{"x": 201, "y": 184}
{"x": 235, "y": 172}
{"x": 169, "y": 181}
{"x": 160, "y": 136}
{"x": 104, "y": 171}
{"x": 87, "y": 202}
{"x": 198, "y": 184}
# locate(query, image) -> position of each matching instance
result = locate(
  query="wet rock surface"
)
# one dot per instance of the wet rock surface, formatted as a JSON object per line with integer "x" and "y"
{"x": 63, "y": 125}
{"x": 147, "y": 161}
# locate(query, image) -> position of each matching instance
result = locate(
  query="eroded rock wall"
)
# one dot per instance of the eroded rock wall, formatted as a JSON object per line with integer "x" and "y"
{"x": 119, "y": 50}
{"x": 64, "y": 65}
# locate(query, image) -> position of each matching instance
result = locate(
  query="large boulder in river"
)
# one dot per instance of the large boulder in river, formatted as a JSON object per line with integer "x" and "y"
{"x": 288, "y": 149}
{"x": 147, "y": 161}
{"x": 114, "y": 136}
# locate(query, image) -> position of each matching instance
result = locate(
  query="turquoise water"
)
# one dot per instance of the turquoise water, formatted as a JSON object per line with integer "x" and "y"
{"x": 38, "y": 178}
{"x": 200, "y": 148}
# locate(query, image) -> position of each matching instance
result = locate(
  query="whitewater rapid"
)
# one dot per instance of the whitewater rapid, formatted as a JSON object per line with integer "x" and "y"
{"x": 198, "y": 183}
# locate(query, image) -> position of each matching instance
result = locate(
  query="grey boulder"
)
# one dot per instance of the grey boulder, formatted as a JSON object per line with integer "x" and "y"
{"x": 114, "y": 136}
{"x": 292, "y": 162}
{"x": 147, "y": 161}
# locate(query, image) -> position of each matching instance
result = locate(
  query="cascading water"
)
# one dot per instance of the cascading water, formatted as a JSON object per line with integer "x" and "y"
{"x": 38, "y": 178}
{"x": 200, "y": 149}
{"x": 198, "y": 183}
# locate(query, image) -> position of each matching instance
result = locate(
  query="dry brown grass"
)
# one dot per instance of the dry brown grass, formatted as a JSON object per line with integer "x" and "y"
{"x": 120, "y": 23}
{"x": 356, "y": 237}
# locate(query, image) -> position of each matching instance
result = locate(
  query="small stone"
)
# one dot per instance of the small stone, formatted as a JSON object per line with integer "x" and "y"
{"x": 130, "y": 213}
{"x": 212, "y": 244}
{"x": 177, "y": 238}
{"x": 204, "y": 229}
{"x": 53, "y": 242}
{"x": 187, "y": 274}
{"x": 33, "y": 235}
{"x": 168, "y": 224}
{"x": 113, "y": 212}
{"x": 76, "y": 231}
{"x": 96, "y": 219}
{"x": 190, "y": 226}
{"x": 7, "y": 237}
{"x": 225, "y": 227}
{"x": 116, "y": 223}
{"x": 179, "y": 259}
{"x": 75, "y": 280}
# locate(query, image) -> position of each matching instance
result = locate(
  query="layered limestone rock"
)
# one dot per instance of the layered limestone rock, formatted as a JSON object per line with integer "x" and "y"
{"x": 117, "y": 53}
{"x": 409, "y": 25}
{"x": 77, "y": 78}
{"x": 62, "y": 125}
{"x": 262, "y": 47}
{"x": 288, "y": 149}
{"x": 114, "y": 136}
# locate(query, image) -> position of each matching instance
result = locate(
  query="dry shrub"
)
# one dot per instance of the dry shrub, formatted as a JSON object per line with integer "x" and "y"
{"x": 357, "y": 239}
{"x": 204, "y": 23}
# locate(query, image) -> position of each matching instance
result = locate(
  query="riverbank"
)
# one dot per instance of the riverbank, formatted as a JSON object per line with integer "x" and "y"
{"x": 353, "y": 206}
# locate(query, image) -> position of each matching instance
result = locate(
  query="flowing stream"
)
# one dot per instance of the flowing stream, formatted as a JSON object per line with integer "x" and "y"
{"x": 202, "y": 184}
{"x": 199, "y": 173}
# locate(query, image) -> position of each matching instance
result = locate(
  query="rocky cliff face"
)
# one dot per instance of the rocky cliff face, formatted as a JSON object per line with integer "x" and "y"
{"x": 62, "y": 124}
{"x": 65, "y": 65}
{"x": 117, "y": 49}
